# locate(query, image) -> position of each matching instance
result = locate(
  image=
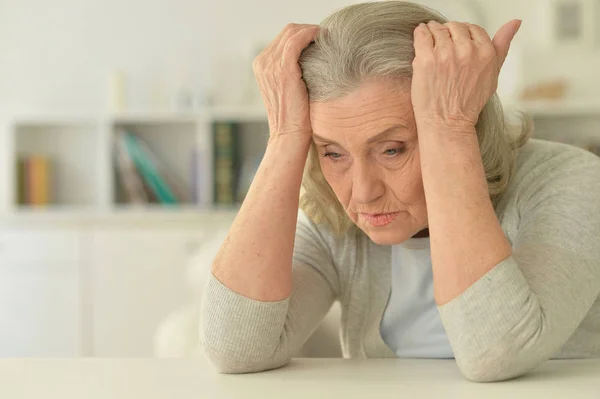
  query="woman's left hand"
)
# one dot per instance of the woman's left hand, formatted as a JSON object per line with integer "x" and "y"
{"x": 455, "y": 70}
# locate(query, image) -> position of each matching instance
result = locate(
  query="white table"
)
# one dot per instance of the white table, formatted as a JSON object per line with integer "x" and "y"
{"x": 303, "y": 378}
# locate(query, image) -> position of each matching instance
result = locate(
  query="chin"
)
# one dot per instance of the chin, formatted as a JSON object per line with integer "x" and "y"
{"x": 387, "y": 237}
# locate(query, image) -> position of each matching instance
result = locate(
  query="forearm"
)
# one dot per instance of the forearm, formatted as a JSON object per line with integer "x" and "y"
{"x": 466, "y": 238}
{"x": 256, "y": 259}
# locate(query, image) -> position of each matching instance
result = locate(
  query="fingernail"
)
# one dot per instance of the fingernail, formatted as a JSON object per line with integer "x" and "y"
{"x": 520, "y": 22}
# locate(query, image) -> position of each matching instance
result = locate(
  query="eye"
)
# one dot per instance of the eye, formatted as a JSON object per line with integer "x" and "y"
{"x": 393, "y": 151}
{"x": 333, "y": 155}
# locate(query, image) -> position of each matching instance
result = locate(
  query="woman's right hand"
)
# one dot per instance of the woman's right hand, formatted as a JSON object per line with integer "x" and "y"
{"x": 280, "y": 80}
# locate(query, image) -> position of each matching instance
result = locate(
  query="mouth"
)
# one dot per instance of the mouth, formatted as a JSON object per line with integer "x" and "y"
{"x": 379, "y": 219}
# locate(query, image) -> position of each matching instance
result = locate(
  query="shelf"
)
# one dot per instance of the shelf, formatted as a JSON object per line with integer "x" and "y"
{"x": 122, "y": 215}
{"x": 80, "y": 149}
{"x": 173, "y": 144}
{"x": 240, "y": 113}
{"x": 566, "y": 108}
{"x": 72, "y": 158}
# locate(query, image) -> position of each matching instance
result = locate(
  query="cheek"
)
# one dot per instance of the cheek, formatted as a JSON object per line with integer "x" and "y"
{"x": 337, "y": 180}
{"x": 406, "y": 182}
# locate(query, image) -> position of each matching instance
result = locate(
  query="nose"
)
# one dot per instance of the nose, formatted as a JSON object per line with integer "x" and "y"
{"x": 367, "y": 185}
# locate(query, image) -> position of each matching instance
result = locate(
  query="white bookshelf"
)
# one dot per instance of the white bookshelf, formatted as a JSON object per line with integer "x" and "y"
{"x": 81, "y": 149}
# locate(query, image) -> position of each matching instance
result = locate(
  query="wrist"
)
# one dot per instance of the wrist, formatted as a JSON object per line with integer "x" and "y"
{"x": 290, "y": 141}
{"x": 449, "y": 128}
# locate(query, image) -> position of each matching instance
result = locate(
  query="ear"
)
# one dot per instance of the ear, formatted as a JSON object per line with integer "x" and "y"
{"x": 503, "y": 38}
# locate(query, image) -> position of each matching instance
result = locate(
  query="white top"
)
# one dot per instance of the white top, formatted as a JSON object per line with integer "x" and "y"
{"x": 411, "y": 325}
{"x": 301, "y": 379}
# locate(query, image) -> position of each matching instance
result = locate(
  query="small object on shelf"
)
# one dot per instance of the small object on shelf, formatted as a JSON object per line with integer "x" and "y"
{"x": 568, "y": 24}
{"x": 550, "y": 90}
{"x": 116, "y": 101}
{"x": 183, "y": 100}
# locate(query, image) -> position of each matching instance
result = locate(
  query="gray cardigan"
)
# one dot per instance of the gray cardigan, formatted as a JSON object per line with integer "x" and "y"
{"x": 542, "y": 302}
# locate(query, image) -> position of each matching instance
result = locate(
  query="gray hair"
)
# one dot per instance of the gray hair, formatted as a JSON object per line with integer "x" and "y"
{"x": 371, "y": 40}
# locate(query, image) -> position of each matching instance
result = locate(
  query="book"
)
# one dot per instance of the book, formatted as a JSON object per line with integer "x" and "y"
{"x": 226, "y": 157}
{"x": 43, "y": 180}
{"x": 34, "y": 183}
{"x": 22, "y": 181}
{"x": 160, "y": 184}
{"x": 148, "y": 170}
{"x": 131, "y": 181}
{"x": 170, "y": 178}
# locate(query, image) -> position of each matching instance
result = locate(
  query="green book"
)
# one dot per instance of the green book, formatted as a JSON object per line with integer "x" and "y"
{"x": 148, "y": 170}
{"x": 226, "y": 160}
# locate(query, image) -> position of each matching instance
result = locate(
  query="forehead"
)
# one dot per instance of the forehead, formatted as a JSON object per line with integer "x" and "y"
{"x": 370, "y": 109}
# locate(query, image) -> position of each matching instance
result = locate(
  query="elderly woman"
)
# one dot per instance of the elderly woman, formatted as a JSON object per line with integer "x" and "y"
{"x": 442, "y": 231}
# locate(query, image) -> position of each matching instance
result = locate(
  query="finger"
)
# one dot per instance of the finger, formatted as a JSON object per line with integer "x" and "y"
{"x": 275, "y": 42}
{"x": 440, "y": 33}
{"x": 287, "y": 32}
{"x": 504, "y": 37}
{"x": 459, "y": 32}
{"x": 479, "y": 35}
{"x": 296, "y": 43}
{"x": 423, "y": 40}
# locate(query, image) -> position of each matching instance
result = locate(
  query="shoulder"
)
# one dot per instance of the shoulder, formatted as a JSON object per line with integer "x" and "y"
{"x": 545, "y": 158}
{"x": 554, "y": 198}
{"x": 545, "y": 169}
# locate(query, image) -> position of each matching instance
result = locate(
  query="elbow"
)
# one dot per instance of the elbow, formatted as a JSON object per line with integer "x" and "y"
{"x": 494, "y": 367}
{"x": 476, "y": 372}
{"x": 231, "y": 363}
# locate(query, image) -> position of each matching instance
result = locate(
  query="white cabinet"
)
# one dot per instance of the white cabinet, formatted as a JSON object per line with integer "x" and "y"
{"x": 138, "y": 278}
{"x": 94, "y": 287}
{"x": 40, "y": 306}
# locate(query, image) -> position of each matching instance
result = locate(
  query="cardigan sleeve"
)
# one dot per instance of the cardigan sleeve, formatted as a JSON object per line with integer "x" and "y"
{"x": 525, "y": 309}
{"x": 240, "y": 335}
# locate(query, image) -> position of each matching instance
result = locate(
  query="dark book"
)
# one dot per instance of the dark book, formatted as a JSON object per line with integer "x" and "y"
{"x": 226, "y": 158}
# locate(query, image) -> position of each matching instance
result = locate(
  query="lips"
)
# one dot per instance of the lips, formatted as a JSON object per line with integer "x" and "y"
{"x": 379, "y": 219}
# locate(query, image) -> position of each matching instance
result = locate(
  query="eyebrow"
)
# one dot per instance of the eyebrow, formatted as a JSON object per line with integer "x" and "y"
{"x": 377, "y": 137}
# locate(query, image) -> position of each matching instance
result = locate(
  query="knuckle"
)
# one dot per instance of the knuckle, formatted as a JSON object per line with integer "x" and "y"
{"x": 424, "y": 63}
{"x": 446, "y": 56}
{"x": 257, "y": 64}
{"x": 438, "y": 27}
{"x": 465, "y": 52}
{"x": 487, "y": 52}
{"x": 288, "y": 47}
{"x": 479, "y": 30}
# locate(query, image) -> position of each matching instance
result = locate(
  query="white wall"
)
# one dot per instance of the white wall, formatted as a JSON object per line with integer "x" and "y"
{"x": 59, "y": 54}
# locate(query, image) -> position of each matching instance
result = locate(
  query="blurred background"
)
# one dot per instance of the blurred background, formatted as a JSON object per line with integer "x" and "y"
{"x": 130, "y": 131}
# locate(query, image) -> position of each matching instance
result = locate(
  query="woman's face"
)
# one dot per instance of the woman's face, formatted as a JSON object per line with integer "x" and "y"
{"x": 369, "y": 154}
